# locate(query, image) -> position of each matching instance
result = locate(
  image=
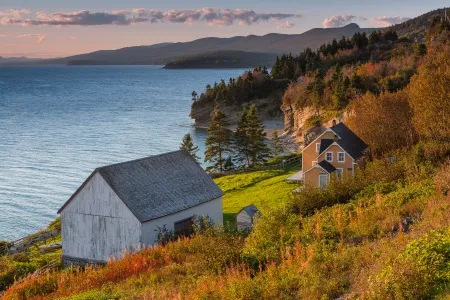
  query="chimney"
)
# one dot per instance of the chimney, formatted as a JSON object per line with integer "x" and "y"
{"x": 336, "y": 138}
{"x": 334, "y": 123}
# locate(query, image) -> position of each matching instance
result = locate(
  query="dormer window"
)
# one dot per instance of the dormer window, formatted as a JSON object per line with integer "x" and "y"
{"x": 317, "y": 147}
{"x": 329, "y": 157}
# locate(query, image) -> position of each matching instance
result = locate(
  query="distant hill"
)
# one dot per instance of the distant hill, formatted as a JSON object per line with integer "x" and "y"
{"x": 17, "y": 60}
{"x": 273, "y": 43}
{"x": 416, "y": 28}
{"x": 223, "y": 59}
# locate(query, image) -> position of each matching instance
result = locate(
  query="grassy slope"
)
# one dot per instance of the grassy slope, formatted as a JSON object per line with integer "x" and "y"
{"x": 265, "y": 189}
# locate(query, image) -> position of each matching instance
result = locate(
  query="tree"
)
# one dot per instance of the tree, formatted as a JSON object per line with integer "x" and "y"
{"x": 218, "y": 141}
{"x": 194, "y": 96}
{"x": 188, "y": 145}
{"x": 277, "y": 146}
{"x": 241, "y": 139}
{"x": 259, "y": 152}
{"x": 420, "y": 51}
{"x": 429, "y": 96}
{"x": 383, "y": 122}
{"x": 316, "y": 90}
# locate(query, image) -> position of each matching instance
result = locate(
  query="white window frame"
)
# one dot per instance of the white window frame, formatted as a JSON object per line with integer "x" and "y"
{"x": 341, "y": 173}
{"x": 326, "y": 156}
{"x": 327, "y": 181}
{"x": 339, "y": 153}
{"x": 317, "y": 147}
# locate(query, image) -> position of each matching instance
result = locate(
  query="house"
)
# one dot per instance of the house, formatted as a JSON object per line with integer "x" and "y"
{"x": 336, "y": 152}
{"x": 120, "y": 207}
{"x": 246, "y": 216}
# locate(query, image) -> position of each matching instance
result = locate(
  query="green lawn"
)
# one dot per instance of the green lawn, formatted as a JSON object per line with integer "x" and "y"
{"x": 265, "y": 189}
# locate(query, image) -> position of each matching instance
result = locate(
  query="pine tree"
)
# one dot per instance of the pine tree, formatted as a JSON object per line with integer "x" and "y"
{"x": 277, "y": 147}
{"x": 218, "y": 142}
{"x": 241, "y": 141}
{"x": 259, "y": 152}
{"x": 188, "y": 145}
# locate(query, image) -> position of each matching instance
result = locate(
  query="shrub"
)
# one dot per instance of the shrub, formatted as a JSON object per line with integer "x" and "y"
{"x": 442, "y": 179}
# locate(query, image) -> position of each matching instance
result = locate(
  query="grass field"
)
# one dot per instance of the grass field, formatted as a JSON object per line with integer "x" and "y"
{"x": 265, "y": 189}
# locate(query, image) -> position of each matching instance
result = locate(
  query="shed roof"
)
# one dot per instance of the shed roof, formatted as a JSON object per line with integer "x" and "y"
{"x": 349, "y": 141}
{"x": 157, "y": 186}
{"x": 251, "y": 210}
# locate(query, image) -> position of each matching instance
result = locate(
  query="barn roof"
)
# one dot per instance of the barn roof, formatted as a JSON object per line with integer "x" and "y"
{"x": 160, "y": 185}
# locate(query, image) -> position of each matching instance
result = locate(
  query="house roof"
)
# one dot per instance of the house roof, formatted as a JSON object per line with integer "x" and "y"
{"x": 160, "y": 185}
{"x": 325, "y": 144}
{"x": 329, "y": 168}
{"x": 251, "y": 210}
{"x": 349, "y": 141}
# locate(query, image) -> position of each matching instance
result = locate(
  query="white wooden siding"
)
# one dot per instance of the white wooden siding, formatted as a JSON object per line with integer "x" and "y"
{"x": 243, "y": 220}
{"x": 212, "y": 209}
{"x": 97, "y": 225}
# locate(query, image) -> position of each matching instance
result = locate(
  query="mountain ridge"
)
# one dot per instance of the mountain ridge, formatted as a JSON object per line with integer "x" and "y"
{"x": 162, "y": 53}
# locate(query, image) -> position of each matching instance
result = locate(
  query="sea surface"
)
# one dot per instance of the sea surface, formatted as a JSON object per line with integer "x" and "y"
{"x": 58, "y": 123}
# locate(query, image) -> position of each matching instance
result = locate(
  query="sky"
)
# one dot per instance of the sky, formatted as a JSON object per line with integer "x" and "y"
{"x": 56, "y": 28}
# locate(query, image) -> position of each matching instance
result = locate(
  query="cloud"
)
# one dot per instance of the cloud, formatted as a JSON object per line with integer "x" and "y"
{"x": 39, "y": 37}
{"x": 388, "y": 21}
{"x": 286, "y": 24}
{"x": 212, "y": 16}
{"x": 72, "y": 38}
{"x": 339, "y": 21}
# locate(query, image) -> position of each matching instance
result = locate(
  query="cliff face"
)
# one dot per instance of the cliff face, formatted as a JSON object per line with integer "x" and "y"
{"x": 296, "y": 123}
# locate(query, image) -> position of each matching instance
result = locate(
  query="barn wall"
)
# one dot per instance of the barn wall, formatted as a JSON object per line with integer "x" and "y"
{"x": 310, "y": 154}
{"x": 212, "y": 209}
{"x": 312, "y": 177}
{"x": 97, "y": 225}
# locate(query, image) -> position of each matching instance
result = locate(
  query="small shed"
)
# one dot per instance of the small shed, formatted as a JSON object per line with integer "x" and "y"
{"x": 120, "y": 207}
{"x": 246, "y": 216}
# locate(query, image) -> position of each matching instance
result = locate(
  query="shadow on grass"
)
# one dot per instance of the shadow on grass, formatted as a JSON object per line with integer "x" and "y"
{"x": 229, "y": 221}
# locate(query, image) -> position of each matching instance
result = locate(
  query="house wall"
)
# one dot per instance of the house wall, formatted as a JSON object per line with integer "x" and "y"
{"x": 97, "y": 225}
{"x": 312, "y": 177}
{"x": 347, "y": 166}
{"x": 212, "y": 209}
{"x": 310, "y": 154}
{"x": 243, "y": 220}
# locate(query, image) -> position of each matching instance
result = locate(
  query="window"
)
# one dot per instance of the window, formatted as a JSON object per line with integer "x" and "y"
{"x": 341, "y": 156}
{"x": 314, "y": 163}
{"x": 317, "y": 147}
{"x": 339, "y": 172}
{"x": 329, "y": 157}
{"x": 184, "y": 227}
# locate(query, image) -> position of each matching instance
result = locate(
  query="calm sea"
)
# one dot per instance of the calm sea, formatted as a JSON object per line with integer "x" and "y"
{"x": 58, "y": 123}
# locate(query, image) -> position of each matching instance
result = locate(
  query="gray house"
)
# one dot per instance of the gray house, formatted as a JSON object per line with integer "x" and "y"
{"x": 246, "y": 216}
{"x": 119, "y": 207}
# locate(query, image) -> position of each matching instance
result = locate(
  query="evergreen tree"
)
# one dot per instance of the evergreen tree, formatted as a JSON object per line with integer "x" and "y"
{"x": 218, "y": 141}
{"x": 241, "y": 140}
{"x": 259, "y": 152}
{"x": 194, "y": 96}
{"x": 316, "y": 90}
{"x": 277, "y": 147}
{"x": 188, "y": 145}
{"x": 420, "y": 50}
{"x": 229, "y": 165}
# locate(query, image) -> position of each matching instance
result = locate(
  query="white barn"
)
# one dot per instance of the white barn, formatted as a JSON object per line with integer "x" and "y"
{"x": 119, "y": 207}
{"x": 246, "y": 217}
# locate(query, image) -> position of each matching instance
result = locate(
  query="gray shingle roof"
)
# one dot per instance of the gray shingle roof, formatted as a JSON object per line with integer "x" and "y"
{"x": 349, "y": 141}
{"x": 251, "y": 210}
{"x": 324, "y": 144}
{"x": 160, "y": 185}
{"x": 327, "y": 166}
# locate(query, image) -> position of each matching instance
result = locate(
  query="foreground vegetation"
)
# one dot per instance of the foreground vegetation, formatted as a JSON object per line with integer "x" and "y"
{"x": 384, "y": 235}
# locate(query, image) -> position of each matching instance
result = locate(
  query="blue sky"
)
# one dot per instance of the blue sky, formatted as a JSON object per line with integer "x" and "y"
{"x": 36, "y": 29}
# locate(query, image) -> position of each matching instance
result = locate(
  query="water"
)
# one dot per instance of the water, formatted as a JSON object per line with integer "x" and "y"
{"x": 59, "y": 123}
